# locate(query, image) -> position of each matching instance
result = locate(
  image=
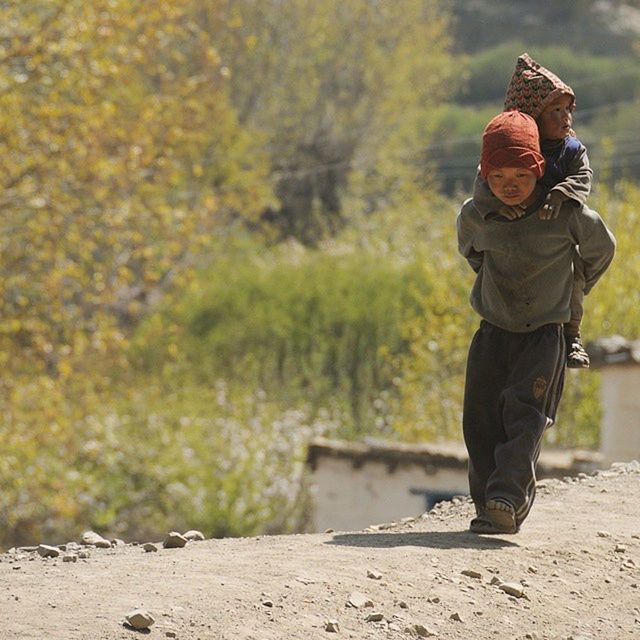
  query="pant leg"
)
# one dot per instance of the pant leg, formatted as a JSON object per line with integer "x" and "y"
{"x": 482, "y": 427}
{"x": 528, "y": 405}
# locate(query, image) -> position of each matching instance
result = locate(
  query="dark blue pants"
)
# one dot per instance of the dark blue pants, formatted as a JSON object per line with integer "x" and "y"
{"x": 513, "y": 386}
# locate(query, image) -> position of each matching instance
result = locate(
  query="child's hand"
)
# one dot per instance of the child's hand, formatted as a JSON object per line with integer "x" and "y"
{"x": 551, "y": 207}
{"x": 511, "y": 213}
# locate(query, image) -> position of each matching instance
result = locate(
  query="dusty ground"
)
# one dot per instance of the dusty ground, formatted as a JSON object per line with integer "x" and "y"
{"x": 577, "y": 560}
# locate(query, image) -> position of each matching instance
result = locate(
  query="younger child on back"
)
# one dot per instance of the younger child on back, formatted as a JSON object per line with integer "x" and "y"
{"x": 539, "y": 93}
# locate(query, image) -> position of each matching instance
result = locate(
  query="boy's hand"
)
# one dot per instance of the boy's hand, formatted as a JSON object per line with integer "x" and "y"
{"x": 551, "y": 207}
{"x": 511, "y": 213}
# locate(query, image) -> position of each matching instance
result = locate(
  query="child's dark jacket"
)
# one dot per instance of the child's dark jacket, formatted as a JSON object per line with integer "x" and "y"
{"x": 525, "y": 267}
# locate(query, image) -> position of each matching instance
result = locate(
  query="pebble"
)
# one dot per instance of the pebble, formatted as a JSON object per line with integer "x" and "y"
{"x": 357, "y": 600}
{"x": 513, "y": 589}
{"x": 421, "y": 631}
{"x": 403, "y": 605}
{"x": 332, "y": 626}
{"x": 374, "y": 575}
{"x": 620, "y": 548}
{"x": 532, "y": 569}
{"x": 93, "y": 539}
{"x": 139, "y": 619}
{"x": 433, "y": 599}
{"x": 375, "y": 617}
{"x": 194, "y": 535}
{"x": 456, "y": 616}
{"x": 149, "y": 547}
{"x": 70, "y": 557}
{"x": 472, "y": 573}
{"x": 174, "y": 540}
{"x": 83, "y": 555}
{"x": 47, "y": 551}
{"x": 604, "y": 534}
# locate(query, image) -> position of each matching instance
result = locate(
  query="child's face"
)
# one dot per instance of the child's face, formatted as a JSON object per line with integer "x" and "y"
{"x": 512, "y": 185}
{"x": 554, "y": 123}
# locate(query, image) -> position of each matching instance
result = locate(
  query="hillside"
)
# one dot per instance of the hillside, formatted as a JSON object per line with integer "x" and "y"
{"x": 572, "y": 572}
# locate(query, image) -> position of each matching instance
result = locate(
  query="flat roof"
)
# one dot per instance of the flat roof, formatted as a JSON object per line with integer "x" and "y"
{"x": 445, "y": 455}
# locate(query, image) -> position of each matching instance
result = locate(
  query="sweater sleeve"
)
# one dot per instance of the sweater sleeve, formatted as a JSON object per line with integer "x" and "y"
{"x": 596, "y": 244}
{"x": 466, "y": 230}
{"x": 577, "y": 183}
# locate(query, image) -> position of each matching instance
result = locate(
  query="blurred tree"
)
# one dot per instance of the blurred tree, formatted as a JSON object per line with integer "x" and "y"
{"x": 344, "y": 92}
{"x": 119, "y": 155}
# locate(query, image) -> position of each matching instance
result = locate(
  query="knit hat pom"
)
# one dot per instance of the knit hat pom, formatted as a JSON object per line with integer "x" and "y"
{"x": 511, "y": 139}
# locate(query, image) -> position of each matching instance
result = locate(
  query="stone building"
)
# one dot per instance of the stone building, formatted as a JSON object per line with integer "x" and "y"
{"x": 618, "y": 360}
{"x": 357, "y": 484}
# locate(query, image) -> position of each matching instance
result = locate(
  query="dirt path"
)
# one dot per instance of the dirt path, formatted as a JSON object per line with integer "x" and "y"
{"x": 576, "y": 560}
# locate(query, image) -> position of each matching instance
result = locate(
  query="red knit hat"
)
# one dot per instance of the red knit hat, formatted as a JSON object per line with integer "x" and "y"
{"x": 533, "y": 87}
{"x": 511, "y": 139}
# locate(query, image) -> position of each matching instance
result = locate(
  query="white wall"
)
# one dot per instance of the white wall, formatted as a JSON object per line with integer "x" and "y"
{"x": 620, "y": 434}
{"x": 348, "y": 498}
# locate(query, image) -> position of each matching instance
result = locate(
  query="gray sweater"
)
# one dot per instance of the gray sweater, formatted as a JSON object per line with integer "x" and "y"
{"x": 525, "y": 266}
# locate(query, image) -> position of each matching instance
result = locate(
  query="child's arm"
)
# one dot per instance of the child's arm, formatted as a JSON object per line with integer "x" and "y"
{"x": 575, "y": 186}
{"x": 466, "y": 228}
{"x": 596, "y": 244}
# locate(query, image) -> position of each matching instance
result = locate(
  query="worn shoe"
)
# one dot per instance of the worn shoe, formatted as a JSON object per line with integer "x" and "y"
{"x": 577, "y": 357}
{"x": 498, "y": 516}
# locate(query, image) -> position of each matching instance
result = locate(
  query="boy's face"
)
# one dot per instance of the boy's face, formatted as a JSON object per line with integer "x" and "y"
{"x": 554, "y": 123}
{"x": 512, "y": 185}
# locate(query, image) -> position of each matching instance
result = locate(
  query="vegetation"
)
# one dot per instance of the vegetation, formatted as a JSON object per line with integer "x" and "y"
{"x": 227, "y": 229}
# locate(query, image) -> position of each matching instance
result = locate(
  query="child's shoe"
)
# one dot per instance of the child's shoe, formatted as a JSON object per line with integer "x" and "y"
{"x": 498, "y": 516}
{"x": 577, "y": 357}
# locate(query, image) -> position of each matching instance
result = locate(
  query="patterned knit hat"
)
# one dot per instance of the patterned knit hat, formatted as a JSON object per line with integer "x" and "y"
{"x": 511, "y": 139}
{"x": 532, "y": 87}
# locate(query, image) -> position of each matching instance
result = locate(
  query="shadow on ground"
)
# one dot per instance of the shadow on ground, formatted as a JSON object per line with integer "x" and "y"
{"x": 433, "y": 539}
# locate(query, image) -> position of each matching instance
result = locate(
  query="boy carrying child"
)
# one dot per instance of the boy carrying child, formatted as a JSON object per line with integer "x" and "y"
{"x": 523, "y": 291}
{"x": 538, "y": 92}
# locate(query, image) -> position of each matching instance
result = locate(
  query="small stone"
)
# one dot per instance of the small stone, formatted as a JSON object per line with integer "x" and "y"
{"x": 358, "y": 600}
{"x": 456, "y": 616}
{"x": 117, "y": 542}
{"x": 433, "y": 599}
{"x": 329, "y": 530}
{"x": 532, "y": 636}
{"x": 47, "y": 551}
{"x": 332, "y": 626}
{"x": 471, "y": 573}
{"x": 620, "y": 548}
{"x": 171, "y": 634}
{"x": 495, "y": 580}
{"x": 70, "y": 557}
{"x": 513, "y": 589}
{"x": 421, "y": 631}
{"x": 603, "y": 534}
{"x": 403, "y": 605}
{"x": 83, "y": 555}
{"x": 194, "y": 535}
{"x": 93, "y": 539}
{"x": 267, "y": 603}
{"x": 174, "y": 540}
{"x": 374, "y": 575}
{"x": 149, "y": 547}
{"x": 532, "y": 569}
{"x": 139, "y": 619}
{"x": 375, "y": 617}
